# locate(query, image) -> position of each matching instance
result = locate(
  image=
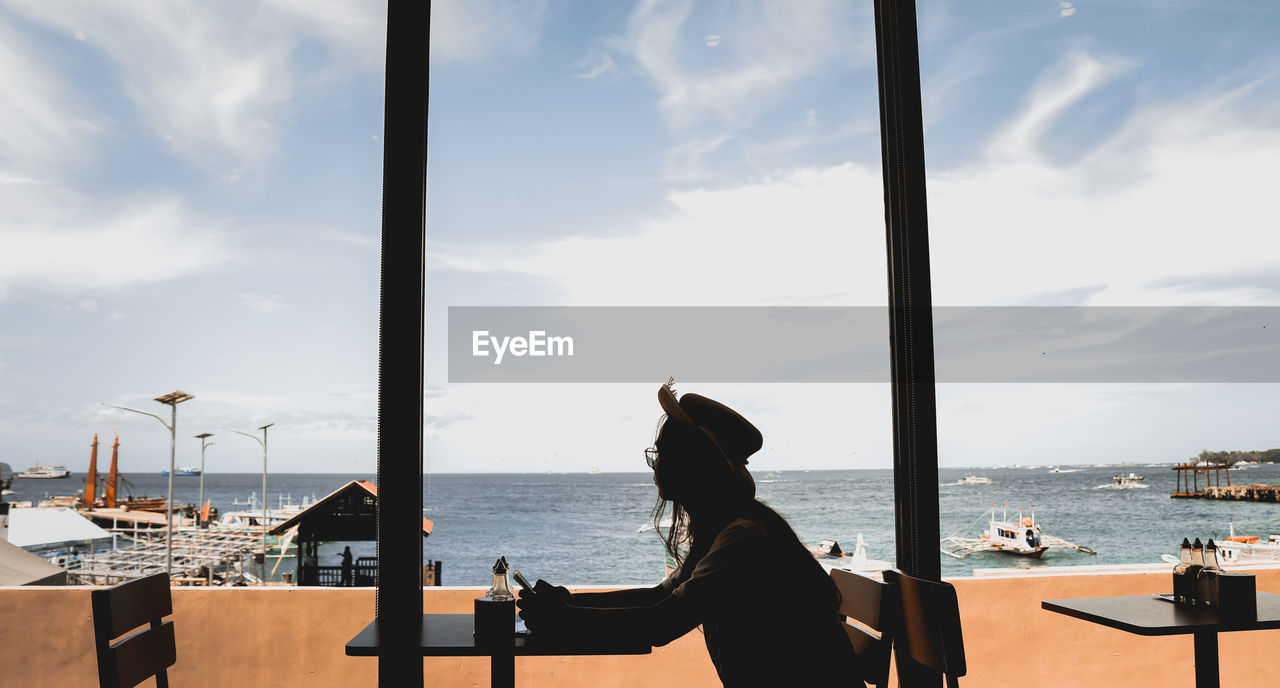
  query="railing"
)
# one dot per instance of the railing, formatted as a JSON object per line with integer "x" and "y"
{"x": 272, "y": 635}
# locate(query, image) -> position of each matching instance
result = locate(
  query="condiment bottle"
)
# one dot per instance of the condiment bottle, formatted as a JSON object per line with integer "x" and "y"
{"x": 1184, "y": 585}
{"x": 1193, "y": 573}
{"x": 500, "y": 591}
{"x": 495, "y": 613}
{"x": 1207, "y": 577}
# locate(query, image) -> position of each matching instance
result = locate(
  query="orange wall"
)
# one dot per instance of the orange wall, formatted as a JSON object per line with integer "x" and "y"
{"x": 295, "y": 636}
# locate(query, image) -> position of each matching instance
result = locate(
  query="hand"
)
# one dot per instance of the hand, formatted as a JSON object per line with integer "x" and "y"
{"x": 546, "y": 607}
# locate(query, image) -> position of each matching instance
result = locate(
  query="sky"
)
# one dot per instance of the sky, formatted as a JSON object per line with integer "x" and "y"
{"x": 190, "y": 199}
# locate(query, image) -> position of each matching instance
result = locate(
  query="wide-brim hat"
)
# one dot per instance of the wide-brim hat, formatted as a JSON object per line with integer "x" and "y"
{"x": 736, "y": 437}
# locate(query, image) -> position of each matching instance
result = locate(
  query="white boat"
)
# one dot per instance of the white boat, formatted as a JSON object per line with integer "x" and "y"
{"x": 1125, "y": 482}
{"x": 830, "y": 556}
{"x": 1064, "y": 470}
{"x": 1245, "y": 549}
{"x": 1020, "y": 536}
{"x": 45, "y": 472}
{"x": 183, "y": 470}
{"x": 974, "y": 480}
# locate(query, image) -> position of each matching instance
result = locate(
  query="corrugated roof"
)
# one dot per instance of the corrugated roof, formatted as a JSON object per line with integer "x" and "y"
{"x": 20, "y": 567}
{"x": 37, "y": 528}
{"x": 364, "y": 485}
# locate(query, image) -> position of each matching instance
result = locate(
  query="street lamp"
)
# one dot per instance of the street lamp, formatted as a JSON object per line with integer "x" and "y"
{"x": 172, "y": 399}
{"x": 204, "y": 442}
{"x": 263, "y": 442}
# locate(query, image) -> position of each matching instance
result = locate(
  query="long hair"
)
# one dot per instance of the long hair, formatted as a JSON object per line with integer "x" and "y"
{"x": 703, "y": 470}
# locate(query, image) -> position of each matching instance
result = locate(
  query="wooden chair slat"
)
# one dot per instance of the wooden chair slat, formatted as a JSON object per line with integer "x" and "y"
{"x": 145, "y": 653}
{"x": 871, "y": 603}
{"x": 930, "y": 632}
{"x": 133, "y": 604}
{"x": 862, "y": 598}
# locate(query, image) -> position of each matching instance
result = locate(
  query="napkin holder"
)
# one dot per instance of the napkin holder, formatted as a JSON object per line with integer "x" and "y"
{"x": 1237, "y": 596}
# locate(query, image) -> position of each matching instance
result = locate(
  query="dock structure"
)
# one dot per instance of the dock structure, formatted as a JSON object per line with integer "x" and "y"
{"x": 200, "y": 557}
{"x": 1189, "y": 478}
{"x": 1250, "y": 493}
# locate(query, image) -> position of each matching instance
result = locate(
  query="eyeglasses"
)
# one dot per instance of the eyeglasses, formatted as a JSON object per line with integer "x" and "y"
{"x": 651, "y": 456}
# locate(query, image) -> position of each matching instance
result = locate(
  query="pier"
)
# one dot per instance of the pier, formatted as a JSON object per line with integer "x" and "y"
{"x": 1250, "y": 493}
{"x": 1189, "y": 478}
{"x": 1189, "y": 484}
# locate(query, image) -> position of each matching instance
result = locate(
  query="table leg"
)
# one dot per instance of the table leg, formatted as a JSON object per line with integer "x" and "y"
{"x": 1207, "y": 659}
{"x": 502, "y": 670}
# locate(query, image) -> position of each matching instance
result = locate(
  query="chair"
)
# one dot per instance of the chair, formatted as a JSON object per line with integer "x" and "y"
{"x": 148, "y": 652}
{"x": 872, "y": 604}
{"x": 929, "y": 631}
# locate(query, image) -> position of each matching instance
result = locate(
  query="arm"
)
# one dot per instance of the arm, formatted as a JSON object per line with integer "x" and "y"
{"x": 632, "y": 597}
{"x": 655, "y": 624}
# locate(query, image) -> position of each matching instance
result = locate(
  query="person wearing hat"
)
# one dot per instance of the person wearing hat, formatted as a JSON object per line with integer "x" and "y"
{"x": 766, "y": 607}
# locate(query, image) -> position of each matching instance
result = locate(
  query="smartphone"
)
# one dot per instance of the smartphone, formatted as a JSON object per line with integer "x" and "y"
{"x": 522, "y": 581}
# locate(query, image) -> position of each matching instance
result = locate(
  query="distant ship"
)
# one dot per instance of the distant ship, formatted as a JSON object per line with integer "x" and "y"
{"x": 181, "y": 470}
{"x": 45, "y": 472}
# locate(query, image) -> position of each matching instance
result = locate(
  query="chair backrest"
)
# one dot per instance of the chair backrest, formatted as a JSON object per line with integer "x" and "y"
{"x": 149, "y": 652}
{"x": 873, "y": 605}
{"x": 929, "y": 632}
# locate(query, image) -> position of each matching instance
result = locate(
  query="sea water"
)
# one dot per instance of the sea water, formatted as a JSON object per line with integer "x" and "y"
{"x": 579, "y": 528}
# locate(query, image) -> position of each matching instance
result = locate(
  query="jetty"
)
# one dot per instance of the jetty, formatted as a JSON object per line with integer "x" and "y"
{"x": 1189, "y": 480}
{"x": 1250, "y": 493}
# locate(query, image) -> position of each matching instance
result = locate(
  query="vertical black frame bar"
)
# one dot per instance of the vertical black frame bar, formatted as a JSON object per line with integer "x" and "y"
{"x": 400, "y": 343}
{"x": 915, "y": 432}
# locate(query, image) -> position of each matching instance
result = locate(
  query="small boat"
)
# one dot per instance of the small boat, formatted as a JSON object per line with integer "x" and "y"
{"x": 45, "y": 472}
{"x": 1064, "y": 470}
{"x": 974, "y": 480}
{"x": 1245, "y": 549}
{"x": 1021, "y": 536}
{"x": 1124, "y": 482}
{"x": 183, "y": 470}
{"x": 830, "y": 556}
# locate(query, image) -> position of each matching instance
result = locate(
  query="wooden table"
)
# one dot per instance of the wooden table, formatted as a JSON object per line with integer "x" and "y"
{"x": 449, "y": 635}
{"x": 1147, "y": 615}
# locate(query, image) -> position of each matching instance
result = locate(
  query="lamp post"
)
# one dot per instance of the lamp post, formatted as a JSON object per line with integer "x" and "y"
{"x": 263, "y": 442}
{"x": 204, "y": 443}
{"x": 172, "y": 399}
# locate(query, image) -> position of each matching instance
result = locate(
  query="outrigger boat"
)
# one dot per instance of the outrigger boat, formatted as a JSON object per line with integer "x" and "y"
{"x": 1021, "y": 537}
{"x": 1242, "y": 549}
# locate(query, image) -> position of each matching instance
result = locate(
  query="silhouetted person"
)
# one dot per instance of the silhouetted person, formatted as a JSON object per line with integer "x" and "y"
{"x": 766, "y": 607}
{"x": 346, "y": 566}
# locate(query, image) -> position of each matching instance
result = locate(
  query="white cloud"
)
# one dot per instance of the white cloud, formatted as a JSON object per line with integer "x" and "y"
{"x": 595, "y": 65}
{"x": 246, "y": 400}
{"x": 478, "y": 30}
{"x": 64, "y": 242}
{"x": 1179, "y": 189}
{"x": 213, "y": 81}
{"x": 43, "y": 128}
{"x": 813, "y": 232}
{"x": 263, "y": 303}
{"x": 1068, "y": 83}
{"x": 762, "y": 48}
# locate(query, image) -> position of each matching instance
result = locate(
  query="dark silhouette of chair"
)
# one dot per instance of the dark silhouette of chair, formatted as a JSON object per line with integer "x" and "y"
{"x": 872, "y": 604}
{"x": 928, "y": 634}
{"x": 149, "y": 652}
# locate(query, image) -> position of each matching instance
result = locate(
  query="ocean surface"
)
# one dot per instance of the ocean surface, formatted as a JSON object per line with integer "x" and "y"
{"x": 582, "y": 528}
